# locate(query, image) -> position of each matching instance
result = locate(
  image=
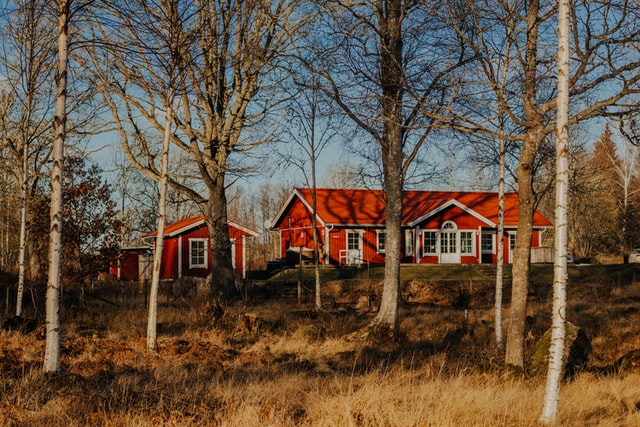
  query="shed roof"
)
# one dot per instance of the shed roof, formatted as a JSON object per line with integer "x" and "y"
{"x": 186, "y": 224}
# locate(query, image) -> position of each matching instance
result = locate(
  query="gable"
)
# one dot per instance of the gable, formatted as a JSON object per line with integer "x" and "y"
{"x": 195, "y": 224}
{"x": 462, "y": 217}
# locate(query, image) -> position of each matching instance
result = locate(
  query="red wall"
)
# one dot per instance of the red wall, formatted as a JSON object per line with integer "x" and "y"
{"x": 129, "y": 266}
{"x": 170, "y": 253}
{"x": 295, "y": 230}
{"x": 169, "y": 266}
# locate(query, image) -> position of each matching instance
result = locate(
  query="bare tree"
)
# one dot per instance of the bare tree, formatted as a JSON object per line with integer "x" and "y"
{"x": 528, "y": 98}
{"x": 164, "y": 22}
{"x": 28, "y": 63}
{"x": 313, "y": 126}
{"x": 229, "y": 71}
{"x": 556, "y": 350}
{"x": 381, "y": 62}
{"x": 628, "y": 170}
{"x": 343, "y": 175}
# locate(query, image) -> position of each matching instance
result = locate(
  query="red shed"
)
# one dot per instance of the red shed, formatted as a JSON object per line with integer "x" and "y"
{"x": 132, "y": 263}
{"x": 187, "y": 248}
{"x": 438, "y": 226}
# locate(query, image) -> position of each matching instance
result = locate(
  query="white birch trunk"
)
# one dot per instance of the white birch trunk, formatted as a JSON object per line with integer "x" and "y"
{"x": 556, "y": 350}
{"x": 52, "y": 344}
{"x": 23, "y": 228}
{"x": 316, "y": 252}
{"x": 500, "y": 255}
{"x": 157, "y": 257}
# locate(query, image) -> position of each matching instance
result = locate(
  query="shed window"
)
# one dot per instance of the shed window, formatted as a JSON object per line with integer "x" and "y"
{"x": 197, "y": 253}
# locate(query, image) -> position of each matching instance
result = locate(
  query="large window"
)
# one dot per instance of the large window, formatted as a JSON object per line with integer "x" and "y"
{"x": 430, "y": 242}
{"x": 409, "y": 248}
{"x": 382, "y": 240}
{"x": 466, "y": 242}
{"x": 197, "y": 253}
{"x": 486, "y": 242}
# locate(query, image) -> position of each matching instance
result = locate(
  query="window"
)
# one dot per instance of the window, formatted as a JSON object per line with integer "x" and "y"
{"x": 512, "y": 240}
{"x": 486, "y": 242}
{"x": 353, "y": 240}
{"x": 466, "y": 242}
{"x": 197, "y": 253}
{"x": 409, "y": 249}
{"x": 429, "y": 242}
{"x": 382, "y": 240}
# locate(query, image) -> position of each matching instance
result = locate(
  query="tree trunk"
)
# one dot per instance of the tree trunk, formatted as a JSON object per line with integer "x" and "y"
{"x": 162, "y": 213}
{"x": 392, "y": 84}
{"x": 514, "y": 352}
{"x": 23, "y": 228}
{"x": 52, "y": 345}
{"x": 558, "y": 327}
{"x": 387, "y": 316}
{"x": 500, "y": 249}
{"x": 316, "y": 252}
{"x": 223, "y": 285}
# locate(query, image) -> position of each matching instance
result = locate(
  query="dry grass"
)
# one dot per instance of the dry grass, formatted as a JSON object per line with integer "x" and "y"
{"x": 272, "y": 363}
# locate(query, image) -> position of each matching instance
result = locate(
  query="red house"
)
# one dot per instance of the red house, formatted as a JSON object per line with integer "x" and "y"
{"x": 439, "y": 227}
{"x": 186, "y": 251}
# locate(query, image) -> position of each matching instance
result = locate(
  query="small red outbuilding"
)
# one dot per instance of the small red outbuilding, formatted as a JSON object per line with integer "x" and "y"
{"x": 187, "y": 248}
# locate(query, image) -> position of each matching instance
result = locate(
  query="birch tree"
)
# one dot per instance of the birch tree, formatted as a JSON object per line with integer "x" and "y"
{"x": 28, "y": 65}
{"x": 604, "y": 40}
{"x": 160, "y": 33}
{"x": 558, "y": 330}
{"x": 500, "y": 248}
{"x": 229, "y": 72}
{"x": 52, "y": 344}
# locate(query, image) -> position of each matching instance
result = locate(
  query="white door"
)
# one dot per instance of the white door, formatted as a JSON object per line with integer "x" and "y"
{"x": 449, "y": 247}
{"x": 354, "y": 247}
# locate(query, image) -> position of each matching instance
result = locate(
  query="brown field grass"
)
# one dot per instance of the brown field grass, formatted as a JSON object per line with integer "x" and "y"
{"x": 270, "y": 362}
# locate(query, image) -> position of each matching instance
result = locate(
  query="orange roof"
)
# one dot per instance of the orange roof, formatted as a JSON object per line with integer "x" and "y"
{"x": 362, "y": 207}
{"x": 187, "y": 224}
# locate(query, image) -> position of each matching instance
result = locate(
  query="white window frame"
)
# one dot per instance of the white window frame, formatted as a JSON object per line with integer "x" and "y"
{"x": 512, "y": 245}
{"x": 471, "y": 241}
{"x": 378, "y": 234}
{"x": 191, "y": 253}
{"x": 409, "y": 242}
{"x": 492, "y": 235}
{"x": 435, "y": 245}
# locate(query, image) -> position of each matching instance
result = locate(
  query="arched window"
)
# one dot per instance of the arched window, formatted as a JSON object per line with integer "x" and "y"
{"x": 449, "y": 238}
{"x": 449, "y": 226}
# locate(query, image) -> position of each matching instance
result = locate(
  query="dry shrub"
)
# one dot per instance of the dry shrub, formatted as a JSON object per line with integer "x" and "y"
{"x": 280, "y": 364}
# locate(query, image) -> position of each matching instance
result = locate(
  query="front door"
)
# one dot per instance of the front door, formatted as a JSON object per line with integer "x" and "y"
{"x": 354, "y": 247}
{"x": 449, "y": 248}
